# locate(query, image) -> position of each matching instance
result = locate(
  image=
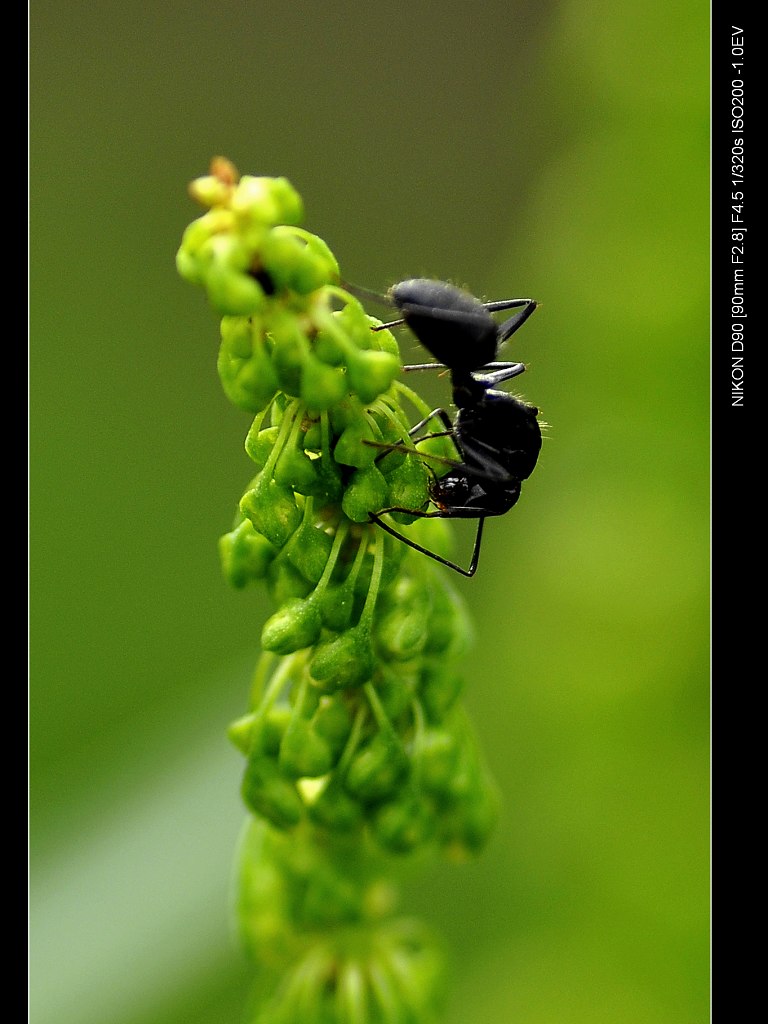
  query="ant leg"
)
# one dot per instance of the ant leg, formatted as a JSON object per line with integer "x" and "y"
{"x": 375, "y": 518}
{"x": 385, "y": 327}
{"x": 508, "y": 328}
{"x": 500, "y": 304}
{"x": 423, "y": 366}
{"x": 441, "y": 414}
{"x": 504, "y": 371}
{"x": 388, "y": 447}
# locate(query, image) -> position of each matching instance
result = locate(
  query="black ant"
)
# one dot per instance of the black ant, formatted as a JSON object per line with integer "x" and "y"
{"x": 496, "y": 435}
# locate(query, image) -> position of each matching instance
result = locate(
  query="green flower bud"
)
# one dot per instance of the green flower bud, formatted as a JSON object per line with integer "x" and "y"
{"x": 260, "y": 442}
{"x": 290, "y": 350}
{"x": 401, "y": 633}
{"x": 471, "y": 821}
{"x": 450, "y": 630}
{"x": 270, "y": 729}
{"x": 411, "y": 960}
{"x": 438, "y": 757}
{"x": 365, "y": 493}
{"x": 237, "y": 335}
{"x": 232, "y": 292}
{"x": 337, "y": 606}
{"x": 385, "y": 340}
{"x": 334, "y": 808}
{"x": 408, "y": 487}
{"x": 330, "y": 899}
{"x": 295, "y": 469}
{"x": 333, "y": 721}
{"x": 267, "y": 200}
{"x": 245, "y": 555}
{"x": 297, "y": 261}
{"x": 308, "y": 551}
{"x": 272, "y": 509}
{"x": 268, "y": 792}
{"x": 202, "y": 230}
{"x": 405, "y": 823}
{"x": 286, "y": 583}
{"x": 371, "y": 374}
{"x": 261, "y": 913}
{"x": 330, "y": 349}
{"x": 241, "y": 731}
{"x": 322, "y": 386}
{"x": 304, "y": 754}
{"x": 439, "y": 688}
{"x": 296, "y": 625}
{"x": 378, "y": 768}
{"x": 313, "y": 436}
{"x": 351, "y": 450}
{"x": 210, "y": 190}
{"x": 249, "y": 381}
{"x": 346, "y": 660}
{"x": 396, "y": 689}
{"x": 190, "y": 267}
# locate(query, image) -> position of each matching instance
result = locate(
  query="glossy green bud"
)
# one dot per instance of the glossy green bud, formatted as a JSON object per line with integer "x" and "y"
{"x": 343, "y": 661}
{"x": 439, "y": 688}
{"x": 437, "y": 756}
{"x": 330, "y": 899}
{"x": 190, "y": 266}
{"x": 334, "y": 808}
{"x": 297, "y": 261}
{"x": 408, "y": 487}
{"x": 371, "y": 373}
{"x": 322, "y": 386}
{"x": 308, "y": 551}
{"x": 241, "y": 731}
{"x": 450, "y": 631}
{"x": 290, "y": 350}
{"x": 294, "y": 626}
{"x": 270, "y": 729}
{"x": 378, "y": 768}
{"x": 245, "y": 555}
{"x": 286, "y": 583}
{"x": 396, "y": 688}
{"x": 385, "y": 340}
{"x": 405, "y": 823}
{"x": 237, "y": 335}
{"x": 296, "y": 470}
{"x": 333, "y": 721}
{"x": 198, "y": 234}
{"x": 351, "y": 449}
{"x": 249, "y": 382}
{"x": 268, "y": 792}
{"x": 272, "y": 509}
{"x": 313, "y": 436}
{"x": 267, "y": 200}
{"x": 365, "y": 493}
{"x": 260, "y": 442}
{"x": 401, "y": 632}
{"x": 471, "y": 821}
{"x": 337, "y": 606}
{"x": 330, "y": 486}
{"x": 304, "y": 754}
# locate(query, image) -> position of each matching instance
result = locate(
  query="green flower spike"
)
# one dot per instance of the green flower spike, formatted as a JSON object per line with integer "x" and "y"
{"x": 358, "y": 755}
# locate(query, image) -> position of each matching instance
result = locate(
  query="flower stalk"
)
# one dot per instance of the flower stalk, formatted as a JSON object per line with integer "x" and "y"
{"x": 359, "y": 759}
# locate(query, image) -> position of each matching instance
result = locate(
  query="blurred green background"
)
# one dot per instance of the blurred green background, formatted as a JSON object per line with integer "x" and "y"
{"x": 555, "y": 149}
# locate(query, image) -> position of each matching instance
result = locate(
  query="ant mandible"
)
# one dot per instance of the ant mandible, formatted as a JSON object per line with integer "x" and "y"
{"x": 497, "y": 436}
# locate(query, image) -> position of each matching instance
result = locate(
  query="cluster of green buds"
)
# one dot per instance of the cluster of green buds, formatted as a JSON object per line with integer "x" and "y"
{"x": 359, "y": 757}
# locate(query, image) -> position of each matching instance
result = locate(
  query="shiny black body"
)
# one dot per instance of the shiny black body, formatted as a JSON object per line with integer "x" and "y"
{"x": 496, "y": 435}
